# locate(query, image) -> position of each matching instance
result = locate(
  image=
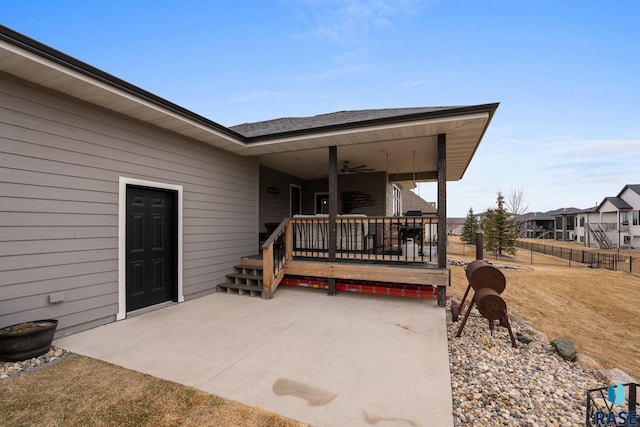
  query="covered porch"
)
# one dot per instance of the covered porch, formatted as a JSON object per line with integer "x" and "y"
{"x": 330, "y": 205}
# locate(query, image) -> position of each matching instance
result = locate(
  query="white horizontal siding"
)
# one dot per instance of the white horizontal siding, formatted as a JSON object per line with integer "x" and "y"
{"x": 60, "y": 163}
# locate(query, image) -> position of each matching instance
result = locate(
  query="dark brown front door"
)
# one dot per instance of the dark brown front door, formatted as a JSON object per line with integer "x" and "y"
{"x": 152, "y": 255}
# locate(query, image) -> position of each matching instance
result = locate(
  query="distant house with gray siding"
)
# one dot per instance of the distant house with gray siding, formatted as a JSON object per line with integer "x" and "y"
{"x": 113, "y": 199}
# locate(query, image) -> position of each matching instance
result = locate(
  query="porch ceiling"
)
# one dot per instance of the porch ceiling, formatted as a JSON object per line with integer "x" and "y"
{"x": 397, "y": 149}
{"x": 408, "y": 138}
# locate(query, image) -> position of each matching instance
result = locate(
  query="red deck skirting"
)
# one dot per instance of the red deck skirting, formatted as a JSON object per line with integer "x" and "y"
{"x": 376, "y": 288}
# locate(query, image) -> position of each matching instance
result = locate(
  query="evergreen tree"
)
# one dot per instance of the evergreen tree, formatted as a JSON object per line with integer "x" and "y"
{"x": 500, "y": 229}
{"x": 470, "y": 228}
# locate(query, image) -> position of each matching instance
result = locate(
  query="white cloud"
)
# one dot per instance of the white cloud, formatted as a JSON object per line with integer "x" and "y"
{"x": 350, "y": 22}
{"x": 598, "y": 148}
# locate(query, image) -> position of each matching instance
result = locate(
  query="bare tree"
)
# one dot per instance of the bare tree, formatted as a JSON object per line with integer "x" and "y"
{"x": 517, "y": 206}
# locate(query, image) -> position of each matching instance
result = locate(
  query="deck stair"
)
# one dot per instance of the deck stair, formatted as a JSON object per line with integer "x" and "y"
{"x": 245, "y": 279}
{"x": 601, "y": 237}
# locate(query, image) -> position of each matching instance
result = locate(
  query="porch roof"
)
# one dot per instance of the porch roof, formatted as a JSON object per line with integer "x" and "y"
{"x": 401, "y": 142}
{"x": 617, "y": 202}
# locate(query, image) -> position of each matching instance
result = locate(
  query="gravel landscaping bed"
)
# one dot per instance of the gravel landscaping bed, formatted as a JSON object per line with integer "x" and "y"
{"x": 494, "y": 384}
{"x": 55, "y": 355}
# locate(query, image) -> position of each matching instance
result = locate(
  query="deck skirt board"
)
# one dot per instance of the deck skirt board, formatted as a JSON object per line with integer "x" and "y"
{"x": 415, "y": 275}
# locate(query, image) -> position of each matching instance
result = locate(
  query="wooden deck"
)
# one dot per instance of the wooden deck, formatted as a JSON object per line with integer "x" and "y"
{"x": 299, "y": 248}
{"x": 418, "y": 274}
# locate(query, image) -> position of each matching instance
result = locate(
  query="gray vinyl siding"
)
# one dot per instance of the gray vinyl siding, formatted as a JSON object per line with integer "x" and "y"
{"x": 60, "y": 163}
{"x": 371, "y": 184}
{"x": 274, "y": 207}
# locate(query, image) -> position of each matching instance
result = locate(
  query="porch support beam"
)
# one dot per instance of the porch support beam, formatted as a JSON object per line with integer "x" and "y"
{"x": 333, "y": 210}
{"x": 442, "y": 212}
{"x": 410, "y": 176}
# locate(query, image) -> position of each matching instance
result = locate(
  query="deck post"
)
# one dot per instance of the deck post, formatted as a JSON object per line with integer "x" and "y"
{"x": 479, "y": 245}
{"x": 333, "y": 210}
{"x": 267, "y": 271}
{"x": 442, "y": 212}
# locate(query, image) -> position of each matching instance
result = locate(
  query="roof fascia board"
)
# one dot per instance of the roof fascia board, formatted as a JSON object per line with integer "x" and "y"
{"x": 454, "y": 114}
{"x": 491, "y": 110}
{"x": 358, "y": 127}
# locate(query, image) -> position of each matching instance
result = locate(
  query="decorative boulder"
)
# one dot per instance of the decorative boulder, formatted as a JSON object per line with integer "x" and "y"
{"x": 587, "y": 362}
{"x": 565, "y": 347}
{"x": 611, "y": 376}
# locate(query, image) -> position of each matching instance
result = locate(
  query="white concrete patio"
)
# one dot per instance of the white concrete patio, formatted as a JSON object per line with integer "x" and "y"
{"x": 348, "y": 360}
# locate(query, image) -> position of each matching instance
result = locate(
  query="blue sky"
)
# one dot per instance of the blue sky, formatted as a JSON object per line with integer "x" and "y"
{"x": 566, "y": 74}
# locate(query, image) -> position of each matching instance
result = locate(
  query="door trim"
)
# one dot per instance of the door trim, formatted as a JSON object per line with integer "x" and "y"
{"x": 291, "y": 187}
{"x": 122, "y": 237}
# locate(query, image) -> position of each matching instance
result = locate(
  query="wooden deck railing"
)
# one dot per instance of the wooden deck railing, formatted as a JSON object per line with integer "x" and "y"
{"x": 409, "y": 239}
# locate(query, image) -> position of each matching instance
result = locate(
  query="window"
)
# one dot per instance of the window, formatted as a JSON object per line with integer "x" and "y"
{"x": 636, "y": 217}
{"x": 627, "y": 240}
{"x": 397, "y": 208}
{"x": 581, "y": 239}
{"x": 581, "y": 221}
{"x": 624, "y": 218}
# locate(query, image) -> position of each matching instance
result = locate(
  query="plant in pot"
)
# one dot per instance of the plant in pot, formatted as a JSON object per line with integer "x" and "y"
{"x": 26, "y": 340}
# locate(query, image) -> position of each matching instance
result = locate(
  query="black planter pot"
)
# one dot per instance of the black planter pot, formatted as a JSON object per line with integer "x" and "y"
{"x": 26, "y": 340}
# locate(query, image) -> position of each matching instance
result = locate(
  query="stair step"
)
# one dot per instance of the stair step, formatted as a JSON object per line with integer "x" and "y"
{"x": 243, "y": 276}
{"x": 231, "y": 288}
{"x": 248, "y": 270}
{"x": 252, "y": 261}
{"x": 248, "y": 267}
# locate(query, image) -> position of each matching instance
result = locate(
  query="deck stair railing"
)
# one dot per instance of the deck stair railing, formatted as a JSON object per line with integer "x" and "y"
{"x": 276, "y": 251}
{"x": 600, "y": 236}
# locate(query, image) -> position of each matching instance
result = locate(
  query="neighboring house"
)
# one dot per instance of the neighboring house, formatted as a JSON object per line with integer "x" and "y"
{"x": 565, "y": 220}
{"x": 617, "y": 221}
{"x": 114, "y": 199}
{"x": 586, "y": 218}
{"x": 455, "y": 225}
{"x": 413, "y": 202}
{"x": 538, "y": 225}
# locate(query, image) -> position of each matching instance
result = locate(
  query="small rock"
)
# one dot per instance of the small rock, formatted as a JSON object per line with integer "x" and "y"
{"x": 523, "y": 338}
{"x": 565, "y": 347}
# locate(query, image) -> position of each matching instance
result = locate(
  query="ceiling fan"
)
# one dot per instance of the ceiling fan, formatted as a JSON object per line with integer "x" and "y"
{"x": 354, "y": 169}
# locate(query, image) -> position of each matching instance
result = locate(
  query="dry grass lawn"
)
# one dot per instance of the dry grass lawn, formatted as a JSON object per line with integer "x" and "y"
{"x": 598, "y": 309}
{"x": 84, "y": 391}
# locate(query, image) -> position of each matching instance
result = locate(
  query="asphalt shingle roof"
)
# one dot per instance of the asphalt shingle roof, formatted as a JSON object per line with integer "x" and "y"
{"x": 290, "y": 124}
{"x": 617, "y": 202}
{"x": 632, "y": 187}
